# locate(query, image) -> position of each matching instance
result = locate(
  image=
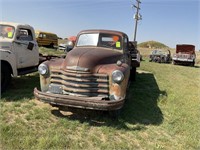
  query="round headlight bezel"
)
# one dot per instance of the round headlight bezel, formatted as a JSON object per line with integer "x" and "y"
{"x": 117, "y": 76}
{"x": 43, "y": 69}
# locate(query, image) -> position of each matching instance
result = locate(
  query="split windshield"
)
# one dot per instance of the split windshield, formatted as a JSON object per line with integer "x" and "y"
{"x": 7, "y": 31}
{"x": 100, "y": 40}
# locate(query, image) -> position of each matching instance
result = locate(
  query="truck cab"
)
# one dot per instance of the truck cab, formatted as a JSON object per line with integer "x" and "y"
{"x": 18, "y": 51}
{"x": 94, "y": 75}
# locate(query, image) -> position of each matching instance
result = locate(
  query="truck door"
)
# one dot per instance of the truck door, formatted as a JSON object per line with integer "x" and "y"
{"x": 25, "y": 48}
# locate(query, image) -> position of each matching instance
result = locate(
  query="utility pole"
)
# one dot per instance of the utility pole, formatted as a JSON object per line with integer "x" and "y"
{"x": 137, "y": 17}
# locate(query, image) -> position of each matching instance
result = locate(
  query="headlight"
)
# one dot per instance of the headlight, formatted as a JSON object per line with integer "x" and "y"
{"x": 43, "y": 69}
{"x": 117, "y": 76}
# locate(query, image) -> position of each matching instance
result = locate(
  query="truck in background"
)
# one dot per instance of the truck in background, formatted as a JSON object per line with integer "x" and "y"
{"x": 185, "y": 55}
{"x": 19, "y": 52}
{"x": 68, "y": 45}
{"x": 46, "y": 39}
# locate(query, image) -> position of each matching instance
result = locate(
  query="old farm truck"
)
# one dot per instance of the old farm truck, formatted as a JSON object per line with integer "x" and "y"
{"x": 185, "y": 55}
{"x": 94, "y": 75}
{"x": 19, "y": 51}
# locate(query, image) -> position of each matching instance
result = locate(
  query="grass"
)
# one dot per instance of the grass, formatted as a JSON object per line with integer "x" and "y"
{"x": 161, "y": 112}
{"x": 50, "y": 51}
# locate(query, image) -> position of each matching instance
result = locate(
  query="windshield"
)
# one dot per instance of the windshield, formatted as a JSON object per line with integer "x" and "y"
{"x": 100, "y": 40}
{"x": 7, "y": 31}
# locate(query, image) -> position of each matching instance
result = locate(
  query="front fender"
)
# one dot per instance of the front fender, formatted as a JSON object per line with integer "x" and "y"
{"x": 52, "y": 64}
{"x": 9, "y": 57}
{"x": 116, "y": 91}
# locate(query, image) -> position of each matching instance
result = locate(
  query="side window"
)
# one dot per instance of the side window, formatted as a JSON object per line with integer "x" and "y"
{"x": 25, "y": 35}
{"x": 40, "y": 35}
{"x": 44, "y": 36}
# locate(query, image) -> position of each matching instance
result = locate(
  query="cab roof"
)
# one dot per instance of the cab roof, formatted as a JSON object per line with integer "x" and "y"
{"x": 39, "y": 31}
{"x": 14, "y": 24}
{"x": 103, "y": 31}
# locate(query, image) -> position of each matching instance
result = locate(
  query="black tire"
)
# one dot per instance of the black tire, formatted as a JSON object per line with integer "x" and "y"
{"x": 51, "y": 45}
{"x": 192, "y": 64}
{"x": 5, "y": 77}
{"x": 133, "y": 74}
{"x": 114, "y": 114}
{"x": 160, "y": 59}
{"x": 174, "y": 63}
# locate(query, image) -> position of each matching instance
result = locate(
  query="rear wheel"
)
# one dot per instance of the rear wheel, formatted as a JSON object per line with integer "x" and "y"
{"x": 5, "y": 77}
{"x": 51, "y": 45}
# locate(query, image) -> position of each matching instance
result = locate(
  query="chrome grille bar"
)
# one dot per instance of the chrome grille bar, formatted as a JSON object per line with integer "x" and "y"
{"x": 80, "y": 83}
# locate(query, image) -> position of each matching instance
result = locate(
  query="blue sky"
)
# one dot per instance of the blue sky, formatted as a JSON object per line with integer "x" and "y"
{"x": 168, "y": 21}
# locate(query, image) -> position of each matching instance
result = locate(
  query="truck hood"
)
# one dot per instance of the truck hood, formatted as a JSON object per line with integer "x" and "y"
{"x": 185, "y": 49}
{"x": 90, "y": 59}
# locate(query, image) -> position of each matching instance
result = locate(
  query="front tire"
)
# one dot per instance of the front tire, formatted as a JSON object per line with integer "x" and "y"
{"x": 114, "y": 114}
{"x": 192, "y": 64}
{"x": 174, "y": 62}
{"x": 133, "y": 74}
{"x": 5, "y": 77}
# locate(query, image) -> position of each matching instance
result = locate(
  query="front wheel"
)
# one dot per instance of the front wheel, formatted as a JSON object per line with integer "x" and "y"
{"x": 133, "y": 74}
{"x": 5, "y": 77}
{"x": 174, "y": 62}
{"x": 114, "y": 114}
{"x": 192, "y": 64}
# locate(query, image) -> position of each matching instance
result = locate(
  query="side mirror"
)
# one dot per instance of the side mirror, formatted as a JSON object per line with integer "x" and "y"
{"x": 30, "y": 46}
{"x": 69, "y": 48}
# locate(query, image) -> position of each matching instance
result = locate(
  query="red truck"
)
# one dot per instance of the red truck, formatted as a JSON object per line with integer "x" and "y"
{"x": 185, "y": 55}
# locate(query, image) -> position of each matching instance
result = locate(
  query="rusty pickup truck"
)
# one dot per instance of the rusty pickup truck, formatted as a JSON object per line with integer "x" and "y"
{"x": 185, "y": 55}
{"x": 94, "y": 75}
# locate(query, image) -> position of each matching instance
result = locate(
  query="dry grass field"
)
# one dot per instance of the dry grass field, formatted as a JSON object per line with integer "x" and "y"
{"x": 161, "y": 112}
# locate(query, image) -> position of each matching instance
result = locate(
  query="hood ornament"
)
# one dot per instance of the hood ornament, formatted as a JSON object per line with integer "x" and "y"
{"x": 77, "y": 68}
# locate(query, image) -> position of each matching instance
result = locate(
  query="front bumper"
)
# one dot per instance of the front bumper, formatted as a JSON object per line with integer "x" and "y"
{"x": 79, "y": 102}
{"x": 183, "y": 59}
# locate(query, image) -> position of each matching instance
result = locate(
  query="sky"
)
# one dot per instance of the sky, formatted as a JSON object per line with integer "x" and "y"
{"x": 167, "y": 21}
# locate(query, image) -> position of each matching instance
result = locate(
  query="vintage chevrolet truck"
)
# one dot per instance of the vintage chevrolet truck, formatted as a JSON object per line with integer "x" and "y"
{"x": 94, "y": 75}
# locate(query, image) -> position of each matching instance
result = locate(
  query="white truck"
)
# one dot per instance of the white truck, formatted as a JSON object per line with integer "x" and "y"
{"x": 19, "y": 52}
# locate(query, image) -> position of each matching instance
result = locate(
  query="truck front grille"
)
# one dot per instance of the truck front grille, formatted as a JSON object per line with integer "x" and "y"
{"x": 79, "y": 83}
{"x": 185, "y": 56}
